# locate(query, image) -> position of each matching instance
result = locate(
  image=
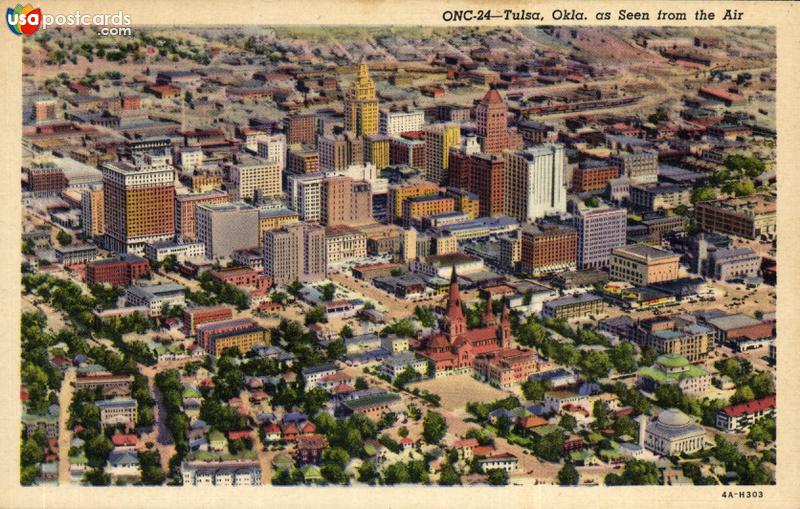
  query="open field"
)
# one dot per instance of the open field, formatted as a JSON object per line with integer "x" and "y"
{"x": 457, "y": 391}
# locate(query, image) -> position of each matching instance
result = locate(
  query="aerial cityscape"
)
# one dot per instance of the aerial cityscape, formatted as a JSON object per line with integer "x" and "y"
{"x": 372, "y": 256}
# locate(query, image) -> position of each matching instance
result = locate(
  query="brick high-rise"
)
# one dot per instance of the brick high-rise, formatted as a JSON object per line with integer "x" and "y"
{"x": 491, "y": 115}
{"x": 345, "y": 201}
{"x": 186, "y": 208}
{"x": 548, "y": 248}
{"x": 300, "y": 128}
{"x": 339, "y": 152}
{"x": 488, "y": 176}
{"x": 138, "y": 202}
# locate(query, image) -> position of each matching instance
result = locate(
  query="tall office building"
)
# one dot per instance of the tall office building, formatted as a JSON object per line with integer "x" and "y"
{"x": 600, "y": 230}
{"x": 399, "y": 193}
{"x": 272, "y": 148}
{"x": 491, "y": 115}
{"x": 394, "y": 122}
{"x": 345, "y": 201}
{"x": 361, "y": 105}
{"x": 186, "y": 208}
{"x": 439, "y": 139}
{"x": 305, "y": 196}
{"x": 376, "y": 150}
{"x": 641, "y": 166}
{"x": 255, "y": 177}
{"x": 138, "y": 203}
{"x": 300, "y": 128}
{"x": 92, "y": 212}
{"x": 488, "y": 181}
{"x": 295, "y": 252}
{"x": 339, "y": 152}
{"x": 227, "y": 227}
{"x": 535, "y": 184}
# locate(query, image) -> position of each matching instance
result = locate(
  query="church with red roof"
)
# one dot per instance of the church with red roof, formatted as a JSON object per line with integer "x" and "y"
{"x": 484, "y": 351}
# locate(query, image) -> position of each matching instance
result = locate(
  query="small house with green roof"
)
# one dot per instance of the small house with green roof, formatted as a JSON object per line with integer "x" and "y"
{"x": 78, "y": 465}
{"x": 584, "y": 458}
{"x": 282, "y": 461}
{"x": 217, "y": 441}
{"x": 312, "y": 473}
{"x": 672, "y": 368}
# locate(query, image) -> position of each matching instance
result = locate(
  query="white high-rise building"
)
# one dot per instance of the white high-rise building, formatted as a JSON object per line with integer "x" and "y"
{"x": 305, "y": 196}
{"x": 535, "y": 183}
{"x": 272, "y": 148}
{"x": 396, "y": 122}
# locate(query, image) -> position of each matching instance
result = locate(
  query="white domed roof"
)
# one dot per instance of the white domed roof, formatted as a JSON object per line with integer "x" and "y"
{"x": 673, "y": 418}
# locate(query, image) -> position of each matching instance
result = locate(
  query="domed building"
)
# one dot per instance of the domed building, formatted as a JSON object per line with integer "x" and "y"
{"x": 672, "y": 368}
{"x": 672, "y": 433}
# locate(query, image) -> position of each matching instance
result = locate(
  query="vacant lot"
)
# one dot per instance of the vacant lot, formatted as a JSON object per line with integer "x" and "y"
{"x": 457, "y": 391}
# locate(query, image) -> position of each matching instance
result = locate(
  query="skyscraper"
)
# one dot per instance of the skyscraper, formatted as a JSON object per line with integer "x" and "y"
{"x": 535, "y": 185}
{"x": 138, "y": 202}
{"x": 438, "y": 141}
{"x": 224, "y": 228}
{"x": 295, "y": 252}
{"x": 361, "y": 105}
{"x": 345, "y": 201}
{"x": 491, "y": 116}
{"x": 600, "y": 230}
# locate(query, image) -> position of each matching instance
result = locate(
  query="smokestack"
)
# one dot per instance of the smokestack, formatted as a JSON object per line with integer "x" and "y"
{"x": 642, "y": 428}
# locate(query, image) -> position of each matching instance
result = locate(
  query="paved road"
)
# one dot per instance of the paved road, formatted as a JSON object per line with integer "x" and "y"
{"x": 64, "y": 434}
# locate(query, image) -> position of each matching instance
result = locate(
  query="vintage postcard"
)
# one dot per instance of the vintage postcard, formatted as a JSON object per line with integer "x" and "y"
{"x": 372, "y": 255}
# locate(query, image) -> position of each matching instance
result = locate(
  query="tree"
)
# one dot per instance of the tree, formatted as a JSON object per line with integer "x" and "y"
{"x": 743, "y": 394}
{"x": 623, "y": 357}
{"x": 601, "y": 414}
{"x": 361, "y": 384}
{"x": 396, "y": 473}
{"x": 31, "y": 453}
{"x": 335, "y": 350}
{"x": 367, "y": 473}
{"x": 315, "y": 315}
{"x": 497, "y": 477}
{"x": 534, "y": 390}
{"x": 762, "y": 384}
{"x": 762, "y": 431}
{"x": 624, "y": 425}
{"x": 406, "y": 376}
{"x": 549, "y": 446}
{"x": 595, "y": 365}
{"x": 150, "y": 466}
{"x": 449, "y": 476}
{"x": 434, "y": 427}
{"x": 346, "y": 332}
{"x": 568, "y": 475}
{"x": 568, "y": 422}
{"x": 294, "y": 288}
{"x": 63, "y": 238}
{"x": 636, "y": 473}
{"x": 425, "y": 315}
{"x": 278, "y": 297}
{"x": 328, "y": 292}
{"x": 703, "y": 194}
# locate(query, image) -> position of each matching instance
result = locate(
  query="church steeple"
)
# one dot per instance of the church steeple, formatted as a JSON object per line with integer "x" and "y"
{"x": 454, "y": 322}
{"x": 489, "y": 318}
